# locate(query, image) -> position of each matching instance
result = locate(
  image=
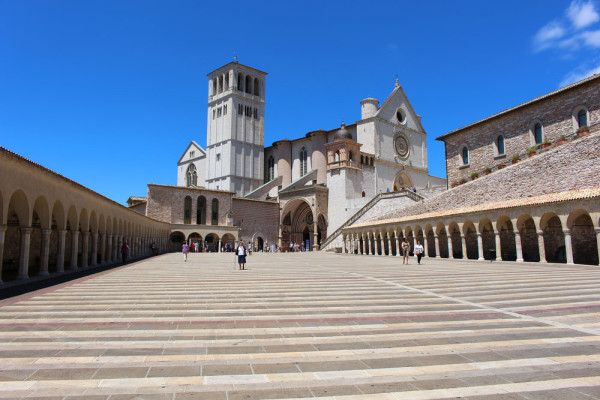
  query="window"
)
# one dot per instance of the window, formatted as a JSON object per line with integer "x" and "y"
{"x": 255, "y": 113}
{"x": 464, "y": 153}
{"x": 500, "y": 145}
{"x": 192, "y": 153}
{"x": 191, "y": 176}
{"x": 215, "y": 212}
{"x": 225, "y": 109}
{"x": 214, "y": 113}
{"x": 256, "y": 87}
{"x": 240, "y": 82}
{"x": 303, "y": 161}
{"x": 363, "y": 194}
{"x": 240, "y": 109}
{"x": 219, "y": 111}
{"x": 218, "y": 156}
{"x": 187, "y": 210}
{"x": 582, "y": 119}
{"x": 270, "y": 169}
{"x": 201, "y": 210}
{"x": 537, "y": 133}
{"x": 248, "y": 83}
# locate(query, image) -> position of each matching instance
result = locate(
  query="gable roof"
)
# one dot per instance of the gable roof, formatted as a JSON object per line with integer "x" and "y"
{"x": 398, "y": 89}
{"x": 195, "y": 146}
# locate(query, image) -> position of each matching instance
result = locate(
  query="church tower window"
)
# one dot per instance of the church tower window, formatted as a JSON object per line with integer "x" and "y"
{"x": 187, "y": 210}
{"x": 582, "y": 118}
{"x": 270, "y": 169}
{"x": 240, "y": 82}
{"x": 537, "y": 133}
{"x": 248, "y": 84}
{"x": 215, "y": 212}
{"x": 201, "y": 211}
{"x": 256, "y": 87}
{"x": 465, "y": 155}
{"x": 191, "y": 176}
{"x": 500, "y": 145}
{"x": 303, "y": 161}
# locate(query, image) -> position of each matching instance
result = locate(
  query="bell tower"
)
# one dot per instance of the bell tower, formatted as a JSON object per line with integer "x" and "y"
{"x": 235, "y": 128}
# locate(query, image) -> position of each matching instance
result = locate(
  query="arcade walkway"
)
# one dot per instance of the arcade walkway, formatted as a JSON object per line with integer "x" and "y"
{"x": 309, "y": 325}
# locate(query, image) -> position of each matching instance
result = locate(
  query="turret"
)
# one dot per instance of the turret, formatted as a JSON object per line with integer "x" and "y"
{"x": 369, "y": 107}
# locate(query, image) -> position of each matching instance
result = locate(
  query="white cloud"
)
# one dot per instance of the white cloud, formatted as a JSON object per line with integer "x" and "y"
{"x": 578, "y": 75}
{"x": 582, "y": 14}
{"x": 548, "y": 35}
{"x": 591, "y": 38}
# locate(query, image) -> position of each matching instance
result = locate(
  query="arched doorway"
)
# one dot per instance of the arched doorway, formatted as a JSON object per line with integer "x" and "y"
{"x": 554, "y": 238}
{"x": 402, "y": 182}
{"x": 211, "y": 242}
{"x": 583, "y": 238}
{"x": 176, "y": 239}
{"x": 298, "y": 225}
{"x": 228, "y": 242}
{"x": 196, "y": 240}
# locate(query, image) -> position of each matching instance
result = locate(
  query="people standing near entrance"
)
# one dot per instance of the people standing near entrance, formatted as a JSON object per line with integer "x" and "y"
{"x": 185, "y": 249}
{"x": 241, "y": 255}
{"x": 124, "y": 252}
{"x": 419, "y": 251}
{"x": 405, "y": 251}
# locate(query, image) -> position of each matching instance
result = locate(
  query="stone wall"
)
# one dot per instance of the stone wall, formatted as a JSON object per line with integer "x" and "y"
{"x": 556, "y": 113}
{"x": 256, "y": 217}
{"x": 575, "y": 165}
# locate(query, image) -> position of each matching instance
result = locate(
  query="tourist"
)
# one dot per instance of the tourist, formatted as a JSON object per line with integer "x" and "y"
{"x": 419, "y": 251}
{"x": 124, "y": 252}
{"x": 185, "y": 249}
{"x": 241, "y": 255}
{"x": 249, "y": 248}
{"x": 405, "y": 251}
{"x": 291, "y": 247}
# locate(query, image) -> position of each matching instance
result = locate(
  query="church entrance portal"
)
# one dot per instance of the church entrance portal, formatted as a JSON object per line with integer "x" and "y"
{"x": 402, "y": 182}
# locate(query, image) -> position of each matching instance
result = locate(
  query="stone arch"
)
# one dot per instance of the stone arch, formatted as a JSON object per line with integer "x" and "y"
{"x": 429, "y": 233}
{"x": 402, "y": 181}
{"x": 176, "y": 239}
{"x": 229, "y": 239}
{"x": 442, "y": 240}
{"x": 456, "y": 240}
{"x": 508, "y": 247}
{"x": 529, "y": 238}
{"x": 259, "y": 238}
{"x": 554, "y": 238}
{"x": 488, "y": 237}
{"x": 19, "y": 218}
{"x": 212, "y": 242}
{"x": 584, "y": 243}
{"x": 470, "y": 233}
{"x": 42, "y": 210}
{"x": 298, "y": 226}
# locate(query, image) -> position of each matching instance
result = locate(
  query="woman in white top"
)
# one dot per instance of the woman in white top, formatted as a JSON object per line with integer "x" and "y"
{"x": 241, "y": 255}
{"x": 419, "y": 251}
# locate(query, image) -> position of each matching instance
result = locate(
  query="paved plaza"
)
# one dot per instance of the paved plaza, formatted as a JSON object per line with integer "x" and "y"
{"x": 307, "y": 325}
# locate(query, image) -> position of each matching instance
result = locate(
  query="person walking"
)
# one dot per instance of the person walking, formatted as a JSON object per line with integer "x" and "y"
{"x": 241, "y": 255}
{"x": 419, "y": 251}
{"x": 185, "y": 249}
{"x": 124, "y": 252}
{"x": 405, "y": 251}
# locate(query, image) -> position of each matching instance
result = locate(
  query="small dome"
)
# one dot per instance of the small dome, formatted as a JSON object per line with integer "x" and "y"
{"x": 343, "y": 133}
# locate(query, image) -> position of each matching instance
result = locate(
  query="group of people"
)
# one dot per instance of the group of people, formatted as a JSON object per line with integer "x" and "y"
{"x": 406, "y": 248}
{"x": 295, "y": 247}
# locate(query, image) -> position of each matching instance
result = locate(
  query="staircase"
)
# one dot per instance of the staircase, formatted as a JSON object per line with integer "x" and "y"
{"x": 404, "y": 193}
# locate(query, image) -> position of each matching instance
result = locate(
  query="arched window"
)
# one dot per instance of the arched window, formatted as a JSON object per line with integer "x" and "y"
{"x": 500, "y": 145}
{"x": 256, "y": 87}
{"x": 187, "y": 210}
{"x": 363, "y": 194}
{"x": 191, "y": 176}
{"x": 240, "y": 82}
{"x": 465, "y": 155}
{"x": 537, "y": 133}
{"x": 248, "y": 84}
{"x": 336, "y": 156}
{"x": 582, "y": 119}
{"x": 226, "y": 81}
{"x": 270, "y": 169}
{"x": 303, "y": 161}
{"x": 215, "y": 212}
{"x": 201, "y": 211}
{"x": 214, "y": 93}
{"x": 221, "y": 84}
{"x": 350, "y": 156}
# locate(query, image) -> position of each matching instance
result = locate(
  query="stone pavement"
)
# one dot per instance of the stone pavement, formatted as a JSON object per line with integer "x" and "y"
{"x": 309, "y": 325}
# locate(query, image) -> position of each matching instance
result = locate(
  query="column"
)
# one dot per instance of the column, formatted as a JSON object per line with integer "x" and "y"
{"x": 45, "y": 251}
{"x": 85, "y": 241}
{"x": 498, "y": 247}
{"x": 109, "y": 249}
{"x": 568, "y": 246}
{"x": 390, "y": 246}
{"x": 450, "y": 252}
{"x": 398, "y": 246}
{"x": 425, "y": 248}
{"x": 24, "y": 256}
{"x": 437, "y": 246}
{"x": 102, "y": 249}
{"x": 219, "y": 249}
{"x": 60, "y": 260}
{"x": 541, "y": 247}
{"x": 519, "y": 246}
{"x": 463, "y": 240}
{"x": 480, "y": 247}
{"x": 377, "y": 241}
{"x": 368, "y": 246}
{"x": 315, "y": 235}
{"x": 597, "y": 240}
{"x": 74, "y": 248}
{"x": 94, "y": 249}
{"x": 2, "y": 231}
{"x": 117, "y": 247}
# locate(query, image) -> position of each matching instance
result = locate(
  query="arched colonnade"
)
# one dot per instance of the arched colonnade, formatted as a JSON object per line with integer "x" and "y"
{"x": 568, "y": 232}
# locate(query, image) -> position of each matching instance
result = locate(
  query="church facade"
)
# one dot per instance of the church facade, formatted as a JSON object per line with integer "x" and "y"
{"x": 319, "y": 180}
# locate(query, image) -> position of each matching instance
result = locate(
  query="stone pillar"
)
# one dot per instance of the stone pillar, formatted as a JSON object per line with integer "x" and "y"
{"x": 450, "y": 252}
{"x": 519, "y": 246}
{"x": 568, "y": 246}
{"x": 498, "y": 247}
{"x": 102, "y": 259}
{"x": 118, "y": 244}
{"x": 24, "y": 256}
{"x": 463, "y": 240}
{"x": 390, "y": 246}
{"x": 94, "y": 249}
{"x": 109, "y": 249}
{"x": 315, "y": 235}
{"x": 60, "y": 260}
{"x": 481, "y": 256}
{"x": 368, "y": 246}
{"x": 398, "y": 246}
{"x": 74, "y": 248}
{"x": 437, "y": 246}
{"x": 377, "y": 244}
{"x": 597, "y": 240}
{"x": 425, "y": 248}
{"x": 219, "y": 249}
{"x": 541, "y": 247}
{"x": 2, "y": 231}
{"x": 85, "y": 241}
{"x": 45, "y": 251}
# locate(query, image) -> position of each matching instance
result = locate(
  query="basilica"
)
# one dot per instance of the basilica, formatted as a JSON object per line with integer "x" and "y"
{"x": 319, "y": 180}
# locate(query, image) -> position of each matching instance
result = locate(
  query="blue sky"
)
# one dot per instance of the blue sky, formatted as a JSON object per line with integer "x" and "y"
{"x": 109, "y": 93}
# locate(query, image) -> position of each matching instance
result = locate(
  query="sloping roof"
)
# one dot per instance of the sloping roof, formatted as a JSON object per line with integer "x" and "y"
{"x": 501, "y": 113}
{"x": 577, "y": 194}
